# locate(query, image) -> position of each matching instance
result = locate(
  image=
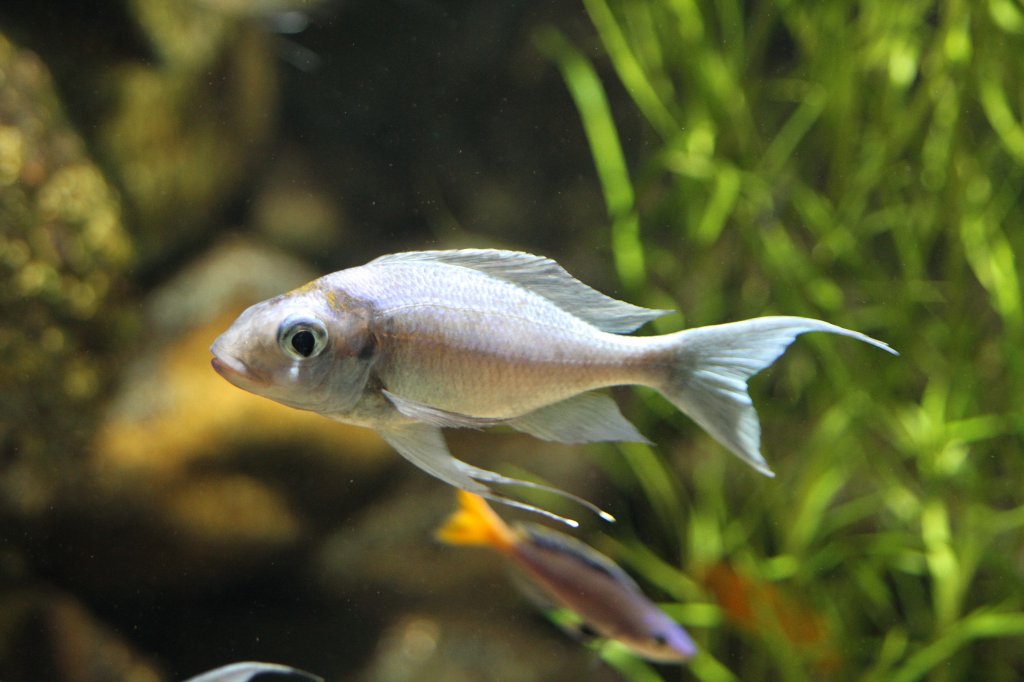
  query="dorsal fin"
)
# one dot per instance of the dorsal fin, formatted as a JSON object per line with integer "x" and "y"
{"x": 545, "y": 277}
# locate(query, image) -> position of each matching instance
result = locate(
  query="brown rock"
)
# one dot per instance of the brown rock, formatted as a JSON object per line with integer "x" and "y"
{"x": 63, "y": 252}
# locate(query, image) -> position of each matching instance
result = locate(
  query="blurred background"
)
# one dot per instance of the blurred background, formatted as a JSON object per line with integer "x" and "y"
{"x": 165, "y": 163}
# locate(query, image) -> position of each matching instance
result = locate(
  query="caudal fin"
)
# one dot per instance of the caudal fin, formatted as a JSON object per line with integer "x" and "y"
{"x": 475, "y": 523}
{"x": 708, "y": 380}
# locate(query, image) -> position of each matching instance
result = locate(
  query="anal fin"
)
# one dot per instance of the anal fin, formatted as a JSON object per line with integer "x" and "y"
{"x": 584, "y": 418}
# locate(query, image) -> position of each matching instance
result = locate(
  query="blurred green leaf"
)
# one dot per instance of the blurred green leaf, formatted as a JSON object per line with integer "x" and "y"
{"x": 863, "y": 164}
{"x": 588, "y": 93}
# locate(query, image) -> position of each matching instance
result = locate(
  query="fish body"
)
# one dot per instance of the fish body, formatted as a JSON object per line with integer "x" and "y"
{"x": 463, "y": 341}
{"x": 569, "y": 574}
{"x": 413, "y": 342}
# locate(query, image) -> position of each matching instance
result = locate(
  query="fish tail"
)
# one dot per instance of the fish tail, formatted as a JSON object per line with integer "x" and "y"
{"x": 475, "y": 523}
{"x": 710, "y": 368}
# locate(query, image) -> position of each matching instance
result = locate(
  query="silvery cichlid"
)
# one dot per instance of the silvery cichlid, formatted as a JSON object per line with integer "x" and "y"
{"x": 251, "y": 671}
{"x": 565, "y": 573}
{"x": 413, "y": 342}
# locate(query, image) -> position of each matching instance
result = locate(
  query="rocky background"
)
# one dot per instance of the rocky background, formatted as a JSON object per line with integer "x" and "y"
{"x": 162, "y": 166}
{"x": 165, "y": 163}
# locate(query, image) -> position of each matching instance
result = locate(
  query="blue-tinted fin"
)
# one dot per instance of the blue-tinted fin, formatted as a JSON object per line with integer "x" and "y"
{"x": 437, "y": 417}
{"x": 583, "y": 418}
{"x": 423, "y": 445}
{"x": 252, "y": 671}
{"x": 546, "y": 278}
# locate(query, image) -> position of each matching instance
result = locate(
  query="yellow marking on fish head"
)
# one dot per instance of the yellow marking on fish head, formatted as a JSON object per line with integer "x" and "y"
{"x": 337, "y": 301}
{"x": 332, "y": 300}
{"x": 306, "y": 288}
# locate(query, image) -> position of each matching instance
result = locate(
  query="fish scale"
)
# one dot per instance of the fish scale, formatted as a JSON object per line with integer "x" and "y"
{"x": 466, "y": 352}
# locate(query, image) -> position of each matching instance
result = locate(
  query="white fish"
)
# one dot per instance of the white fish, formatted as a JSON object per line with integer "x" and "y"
{"x": 413, "y": 342}
{"x": 251, "y": 671}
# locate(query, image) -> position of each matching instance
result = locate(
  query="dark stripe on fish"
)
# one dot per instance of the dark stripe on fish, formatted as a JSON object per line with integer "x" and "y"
{"x": 545, "y": 538}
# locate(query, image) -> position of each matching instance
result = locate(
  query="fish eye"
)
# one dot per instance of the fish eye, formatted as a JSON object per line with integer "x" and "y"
{"x": 302, "y": 337}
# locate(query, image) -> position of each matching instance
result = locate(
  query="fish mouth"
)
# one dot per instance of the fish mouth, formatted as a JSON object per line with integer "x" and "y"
{"x": 235, "y": 371}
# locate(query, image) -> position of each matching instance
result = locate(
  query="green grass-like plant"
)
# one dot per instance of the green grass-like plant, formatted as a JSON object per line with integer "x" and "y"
{"x": 862, "y": 163}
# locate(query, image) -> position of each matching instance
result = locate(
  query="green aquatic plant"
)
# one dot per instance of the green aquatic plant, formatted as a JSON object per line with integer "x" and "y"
{"x": 860, "y": 163}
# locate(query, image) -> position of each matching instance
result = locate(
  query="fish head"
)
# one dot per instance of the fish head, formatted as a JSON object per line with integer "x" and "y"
{"x": 662, "y": 640}
{"x": 307, "y": 349}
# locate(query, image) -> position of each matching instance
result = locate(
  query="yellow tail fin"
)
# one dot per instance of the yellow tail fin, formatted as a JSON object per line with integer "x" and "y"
{"x": 475, "y": 523}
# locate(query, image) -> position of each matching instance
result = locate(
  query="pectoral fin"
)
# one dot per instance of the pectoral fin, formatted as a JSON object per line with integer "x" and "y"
{"x": 423, "y": 445}
{"x": 436, "y": 417}
{"x": 583, "y": 418}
